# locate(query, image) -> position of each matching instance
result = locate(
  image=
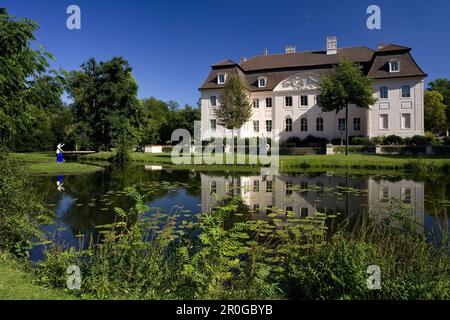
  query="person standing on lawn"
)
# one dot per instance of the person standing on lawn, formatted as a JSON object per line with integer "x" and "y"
{"x": 59, "y": 153}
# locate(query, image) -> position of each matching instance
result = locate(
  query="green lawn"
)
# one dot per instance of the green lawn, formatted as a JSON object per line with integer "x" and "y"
{"x": 44, "y": 163}
{"x": 17, "y": 284}
{"x": 297, "y": 162}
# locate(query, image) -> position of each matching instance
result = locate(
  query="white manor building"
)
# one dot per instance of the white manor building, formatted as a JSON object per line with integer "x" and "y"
{"x": 284, "y": 89}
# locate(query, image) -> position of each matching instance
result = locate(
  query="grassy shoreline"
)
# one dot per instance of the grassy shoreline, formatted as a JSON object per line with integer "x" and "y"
{"x": 16, "y": 283}
{"x": 293, "y": 163}
{"x": 43, "y": 163}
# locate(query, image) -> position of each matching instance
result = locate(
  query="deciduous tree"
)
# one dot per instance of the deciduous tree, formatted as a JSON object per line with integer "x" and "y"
{"x": 344, "y": 87}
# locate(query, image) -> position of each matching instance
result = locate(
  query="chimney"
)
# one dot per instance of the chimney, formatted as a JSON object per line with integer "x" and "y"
{"x": 290, "y": 49}
{"x": 243, "y": 59}
{"x": 331, "y": 45}
{"x": 265, "y": 52}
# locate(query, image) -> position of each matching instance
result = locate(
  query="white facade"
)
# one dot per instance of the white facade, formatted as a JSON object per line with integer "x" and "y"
{"x": 403, "y": 115}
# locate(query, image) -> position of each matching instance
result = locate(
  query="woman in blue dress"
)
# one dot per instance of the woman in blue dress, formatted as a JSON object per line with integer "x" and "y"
{"x": 59, "y": 153}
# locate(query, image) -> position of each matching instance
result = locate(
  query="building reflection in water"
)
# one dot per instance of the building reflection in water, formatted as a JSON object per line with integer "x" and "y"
{"x": 306, "y": 195}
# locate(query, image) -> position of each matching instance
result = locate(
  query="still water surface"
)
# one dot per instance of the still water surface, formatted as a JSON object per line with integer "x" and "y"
{"x": 82, "y": 202}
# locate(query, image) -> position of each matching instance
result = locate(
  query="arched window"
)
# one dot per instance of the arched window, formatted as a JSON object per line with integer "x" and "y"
{"x": 288, "y": 124}
{"x": 304, "y": 124}
{"x": 319, "y": 124}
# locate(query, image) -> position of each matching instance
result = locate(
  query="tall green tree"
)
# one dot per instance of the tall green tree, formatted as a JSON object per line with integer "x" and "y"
{"x": 26, "y": 79}
{"x": 443, "y": 87}
{"x": 434, "y": 113}
{"x": 346, "y": 86}
{"x": 235, "y": 109}
{"x": 105, "y": 101}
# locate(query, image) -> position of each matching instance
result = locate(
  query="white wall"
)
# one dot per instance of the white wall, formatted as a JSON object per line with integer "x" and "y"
{"x": 370, "y": 119}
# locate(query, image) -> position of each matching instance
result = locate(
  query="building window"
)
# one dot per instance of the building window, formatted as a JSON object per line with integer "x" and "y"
{"x": 262, "y": 82}
{"x": 288, "y": 188}
{"x": 304, "y": 187}
{"x": 288, "y": 125}
{"x": 318, "y": 99}
{"x": 213, "y": 187}
{"x": 406, "y": 92}
{"x": 269, "y": 125}
{"x": 357, "y": 124}
{"x": 213, "y": 101}
{"x": 384, "y": 121}
{"x": 256, "y": 103}
{"x": 213, "y": 125}
{"x": 384, "y": 93}
{"x": 406, "y": 120}
{"x": 269, "y": 187}
{"x": 304, "y": 124}
{"x": 221, "y": 78}
{"x": 406, "y": 195}
{"x": 319, "y": 124}
{"x": 256, "y": 125}
{"x": 304, "y": 212}
{"x": 320, "y": 188}
{"x": 256, "y": 186}
{"x": 304, "y": 101}
{"x": 341, "y": 124}
{"x": 256, "y": 208}
{"x": 288, "y": 101}
{"x": 288, "y": 210}
{"x": 385, "y": 194}
{"x": 268, "y": 102}
{"x": 394, "y": 66}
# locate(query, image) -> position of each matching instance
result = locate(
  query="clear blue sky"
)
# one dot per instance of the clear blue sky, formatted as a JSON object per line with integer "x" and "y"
{"x": 171, "y": 44}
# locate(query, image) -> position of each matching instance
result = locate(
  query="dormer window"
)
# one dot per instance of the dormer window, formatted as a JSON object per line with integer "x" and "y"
{"x": 262, "y": 81}
{"x": 221, "y": 78}
{"x": 394, "y": 66}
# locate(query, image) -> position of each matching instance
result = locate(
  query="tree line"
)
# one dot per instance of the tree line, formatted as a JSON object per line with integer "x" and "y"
{"x": 104, "y": 110}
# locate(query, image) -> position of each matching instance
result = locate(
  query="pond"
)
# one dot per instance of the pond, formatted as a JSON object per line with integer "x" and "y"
{"x": 82, "y": 202}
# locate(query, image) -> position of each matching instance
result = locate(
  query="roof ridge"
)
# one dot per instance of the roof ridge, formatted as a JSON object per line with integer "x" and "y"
{"x": 306, "y": 51}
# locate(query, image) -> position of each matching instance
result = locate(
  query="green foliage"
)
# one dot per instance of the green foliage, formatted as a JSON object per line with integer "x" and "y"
{"x": 105, "y": 101}
{"x": 347, "y": 86}
{"x": 25, "y": 78}
{"x": 215, "y": 256}
{"x": 21, "y": 211}
{"x": 234, "y": 109}
{"x": 443, "y": 87}
{"x": 434, "y": 112}
{"x": 158, "y": 119}
{"x": 411, "y": 267}
{"x": 123, "y": 154}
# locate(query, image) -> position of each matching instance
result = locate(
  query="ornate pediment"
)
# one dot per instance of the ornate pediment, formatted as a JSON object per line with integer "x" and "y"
{"x": 299, "y": 82}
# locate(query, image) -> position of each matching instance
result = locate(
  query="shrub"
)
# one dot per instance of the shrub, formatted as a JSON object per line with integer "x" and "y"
{"x": 337, "y": 141}
{"x": 377, "y": 140}
{"x": 431, "y": 138}
{"x": 359, "y": 141}
{"x": 311, "y": 141}
{"x": 22, "y": 212}
{"x": 393, "y": 140}
{"x": 446, "y": 141}
{"x": 123, "y": 154}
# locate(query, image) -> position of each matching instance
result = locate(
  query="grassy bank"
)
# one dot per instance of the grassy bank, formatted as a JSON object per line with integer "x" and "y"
{"x": 44, "y": 163}
{"x": 301, "y": 162}
{"x": 17, "y": 283}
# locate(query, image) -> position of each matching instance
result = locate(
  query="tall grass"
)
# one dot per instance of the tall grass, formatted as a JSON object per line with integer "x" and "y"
{"x": 211, "y": 257}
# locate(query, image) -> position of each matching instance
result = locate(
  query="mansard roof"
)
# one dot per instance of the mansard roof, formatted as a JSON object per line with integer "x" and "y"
{"x": 277, "y": 67}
